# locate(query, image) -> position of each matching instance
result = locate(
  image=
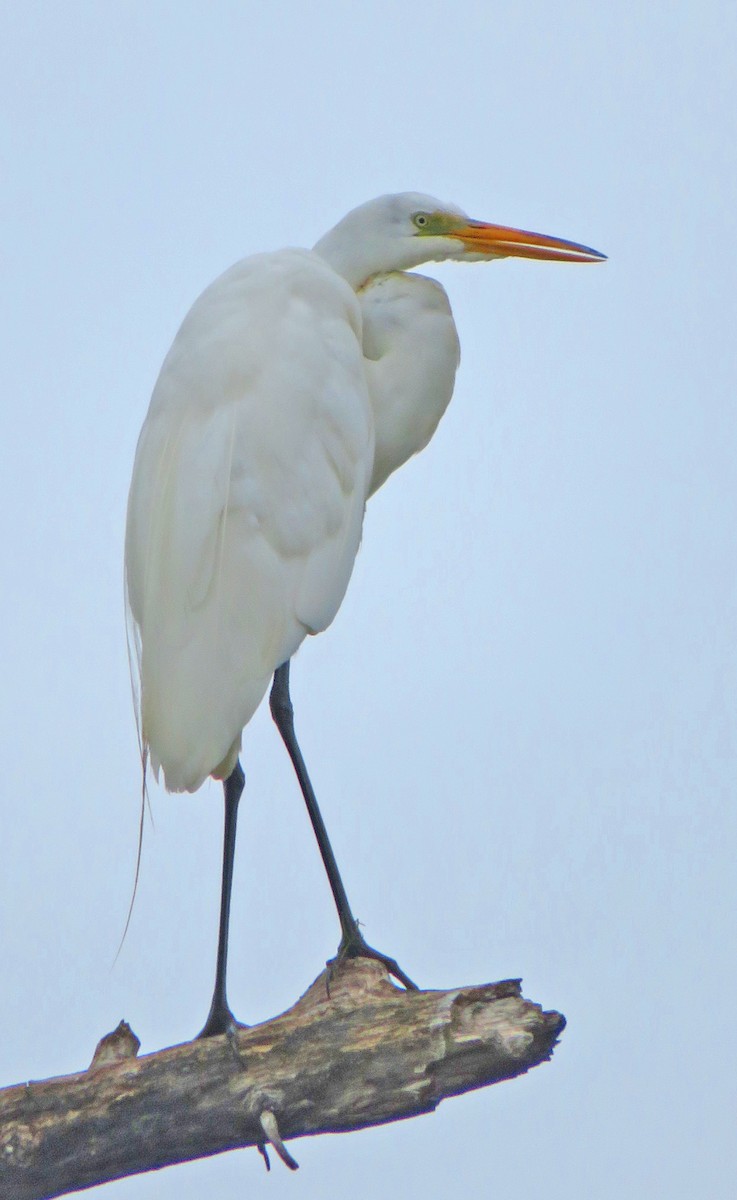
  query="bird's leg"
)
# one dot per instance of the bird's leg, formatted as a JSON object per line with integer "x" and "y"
{"x": 352, "y": 942}
{"x": 220, "y": 1019}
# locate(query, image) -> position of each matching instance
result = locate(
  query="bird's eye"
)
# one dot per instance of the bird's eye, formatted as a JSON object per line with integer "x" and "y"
{"x": 421, "y": 220}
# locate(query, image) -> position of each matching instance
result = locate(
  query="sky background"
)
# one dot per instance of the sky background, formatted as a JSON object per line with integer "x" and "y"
{"x": 522, "y": 723}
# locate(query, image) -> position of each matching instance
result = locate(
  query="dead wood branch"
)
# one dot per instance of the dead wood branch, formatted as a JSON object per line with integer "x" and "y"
{"x": 364, "y": 1054}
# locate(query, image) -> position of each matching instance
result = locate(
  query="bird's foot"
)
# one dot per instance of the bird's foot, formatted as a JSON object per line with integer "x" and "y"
{"x": 354, "y": 945}
{"x": 220, "y": 1020}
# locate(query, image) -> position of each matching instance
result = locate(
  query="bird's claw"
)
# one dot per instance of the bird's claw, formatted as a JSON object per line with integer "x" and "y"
{"x": 354, "y": 945}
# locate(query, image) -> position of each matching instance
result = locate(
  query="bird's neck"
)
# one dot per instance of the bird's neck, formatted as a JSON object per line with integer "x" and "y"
{"x": 411, "y": 353}
{"x": 359, "y": 259}
{"x": 345, "y": 259}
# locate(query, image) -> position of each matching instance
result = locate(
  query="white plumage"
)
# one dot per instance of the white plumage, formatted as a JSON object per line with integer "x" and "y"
{"x": 247, "y": 499}
{"x": 297, "y": 383}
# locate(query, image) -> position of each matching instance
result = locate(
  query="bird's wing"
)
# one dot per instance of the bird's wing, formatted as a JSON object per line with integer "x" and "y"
{"x": 247, "y": 501}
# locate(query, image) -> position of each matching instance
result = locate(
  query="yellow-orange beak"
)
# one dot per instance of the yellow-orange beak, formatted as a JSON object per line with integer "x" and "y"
{"x": 501, "y": 241}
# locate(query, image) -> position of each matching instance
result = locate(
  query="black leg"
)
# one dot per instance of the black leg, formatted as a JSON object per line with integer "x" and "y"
{"x": 352, "y": 942}
{"x": 220, "y": 1019}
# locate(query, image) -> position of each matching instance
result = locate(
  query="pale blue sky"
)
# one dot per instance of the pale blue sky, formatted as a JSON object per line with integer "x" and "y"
{"x": 522, "y": 723}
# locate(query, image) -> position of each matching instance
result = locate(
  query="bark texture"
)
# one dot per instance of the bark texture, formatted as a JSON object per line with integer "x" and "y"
{"x": 354, "y": 1051}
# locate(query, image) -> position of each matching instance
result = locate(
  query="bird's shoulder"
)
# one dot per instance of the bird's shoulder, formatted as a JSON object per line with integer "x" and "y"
{"x": 266, "y": 313}
{"x": 264, "y": 288}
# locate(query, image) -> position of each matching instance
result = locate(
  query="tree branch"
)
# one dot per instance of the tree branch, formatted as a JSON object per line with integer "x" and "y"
{"x": 354, "y": 1051}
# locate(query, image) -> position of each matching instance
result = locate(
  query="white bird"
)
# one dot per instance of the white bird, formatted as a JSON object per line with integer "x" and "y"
{"x": 297, "y": 383}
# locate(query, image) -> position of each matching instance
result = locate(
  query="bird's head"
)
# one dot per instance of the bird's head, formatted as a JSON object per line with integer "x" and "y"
{"x": 396, "y": 233}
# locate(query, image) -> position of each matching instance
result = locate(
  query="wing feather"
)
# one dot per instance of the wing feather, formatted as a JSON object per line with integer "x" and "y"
{"x": 247, "y": 501}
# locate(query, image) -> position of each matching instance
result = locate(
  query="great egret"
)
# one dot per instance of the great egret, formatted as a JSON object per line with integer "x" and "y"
{"x": 297, "y": 383}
